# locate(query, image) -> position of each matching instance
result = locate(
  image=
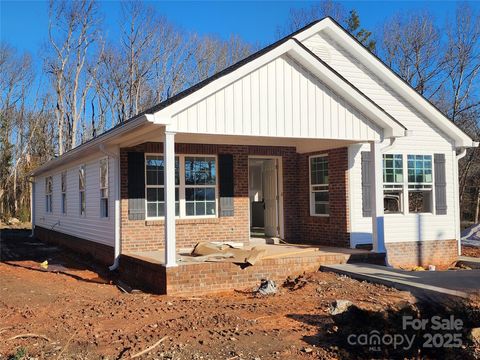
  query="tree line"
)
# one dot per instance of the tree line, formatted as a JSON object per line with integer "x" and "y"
{"x": 88, "y": 82}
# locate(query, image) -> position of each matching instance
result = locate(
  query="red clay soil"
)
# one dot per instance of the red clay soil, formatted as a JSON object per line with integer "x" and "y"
{"x": 80, "y": 316}
{"x": 472, "y": 251}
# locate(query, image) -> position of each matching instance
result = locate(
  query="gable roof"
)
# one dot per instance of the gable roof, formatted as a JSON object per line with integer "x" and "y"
{"x": 385, "y": 73}
{"x": 445, "y": 124}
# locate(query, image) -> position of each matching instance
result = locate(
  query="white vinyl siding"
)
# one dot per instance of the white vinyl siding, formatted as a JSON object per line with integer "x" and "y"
{"x": 425, "y": 138}
{"x": 91, "y": 226}
{"x": 399, "y": 227}
{"x": 279, "y": 99}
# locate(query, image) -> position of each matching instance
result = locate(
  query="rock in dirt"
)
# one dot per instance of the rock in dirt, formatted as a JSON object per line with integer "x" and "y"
{"x": 475, "y": 335}
{"x": 267, "y": 287}
{"x": 307, "y": 350}
{"x": 339, "y": 306}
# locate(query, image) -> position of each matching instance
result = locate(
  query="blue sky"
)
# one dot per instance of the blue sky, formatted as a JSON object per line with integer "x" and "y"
{"x": 24, "y": 23}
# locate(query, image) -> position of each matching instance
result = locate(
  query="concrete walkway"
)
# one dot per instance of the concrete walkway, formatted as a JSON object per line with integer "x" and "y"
{"x": 456, "y": 283}
{"x": 471, "y": 262}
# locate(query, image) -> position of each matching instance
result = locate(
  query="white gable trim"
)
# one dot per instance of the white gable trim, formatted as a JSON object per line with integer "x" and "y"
{"x": 334, "y": 30}
{"x": 325, "y": 74}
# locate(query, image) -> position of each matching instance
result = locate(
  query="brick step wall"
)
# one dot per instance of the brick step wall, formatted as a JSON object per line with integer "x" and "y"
{"x": 214, "y": 277}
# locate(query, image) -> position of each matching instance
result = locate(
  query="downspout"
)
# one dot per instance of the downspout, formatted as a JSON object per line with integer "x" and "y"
{"x": 116, "y": 157}
{"x": 459, "y": 156}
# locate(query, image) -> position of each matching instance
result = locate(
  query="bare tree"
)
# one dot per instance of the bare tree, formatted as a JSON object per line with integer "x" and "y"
{"x": 73, "y": 28}
{"x": 300, "y": 17}
{"x": 411, "y": 45}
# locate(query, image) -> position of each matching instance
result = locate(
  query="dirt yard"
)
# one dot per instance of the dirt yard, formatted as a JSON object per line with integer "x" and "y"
{"x": 71, "y": 310}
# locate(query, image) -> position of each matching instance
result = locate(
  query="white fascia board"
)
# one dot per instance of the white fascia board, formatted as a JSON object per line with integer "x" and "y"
{"x": 218, "y": 84}
{"x": 388, "y": 76}
{"x": 93, "y": 144}
{"x": 159, "y": 119}
{"x": 390, "y": 127}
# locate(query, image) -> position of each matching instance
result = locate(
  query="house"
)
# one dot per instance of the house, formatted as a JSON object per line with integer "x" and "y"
{"x": 313, "y": 140}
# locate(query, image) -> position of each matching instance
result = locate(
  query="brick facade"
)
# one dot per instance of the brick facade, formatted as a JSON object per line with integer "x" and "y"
{"x": 299, "y": 226}
{"x": 442, "y": 253}
{"x": 330, "y": 230}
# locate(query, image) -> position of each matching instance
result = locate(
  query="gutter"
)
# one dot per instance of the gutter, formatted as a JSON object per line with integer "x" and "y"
{"x": 116, "y": 221}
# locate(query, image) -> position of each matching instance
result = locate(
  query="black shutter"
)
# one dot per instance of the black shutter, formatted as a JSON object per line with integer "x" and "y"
{"x": 225, "y": 165}
{"x": 366, "y": 185}
{"x": 440, "y": 184}
{"x": 136, "y": 186}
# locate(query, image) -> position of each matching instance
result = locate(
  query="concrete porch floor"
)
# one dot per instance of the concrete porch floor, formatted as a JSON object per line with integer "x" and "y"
{"x": 273, "y": 251}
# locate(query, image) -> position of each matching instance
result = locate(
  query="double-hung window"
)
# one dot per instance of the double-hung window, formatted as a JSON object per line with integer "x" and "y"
{"x": 81, "y": 190}
{"x": 195, "y": 186}
{"x": 64, "y": 192}
{"x": 319, "y": 196}
{"x": 104, "y": 188}
{"x": 155, "y": 187}
{"x": 48, "y": 194}
{"x": 420, "y": 184}
{"x": 393, "y": 183}
{"x": 200, "y": 185}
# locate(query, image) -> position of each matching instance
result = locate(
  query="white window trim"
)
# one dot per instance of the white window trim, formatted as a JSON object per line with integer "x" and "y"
{"x": 49, "y": 196}
{"x": 406, "y": 208}
{"x": 62, "y": 204}
{"x": 432, "y": 184}
{"x": 312, "y": 203}
{"x": 182, "y": 187}
{"x": 102, "y": 188}
{"x": 84, "y": 191}
{"x": 402, "y": 185}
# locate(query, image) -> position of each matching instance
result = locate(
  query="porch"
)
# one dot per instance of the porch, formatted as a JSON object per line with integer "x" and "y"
{"x": 146, "y": 269}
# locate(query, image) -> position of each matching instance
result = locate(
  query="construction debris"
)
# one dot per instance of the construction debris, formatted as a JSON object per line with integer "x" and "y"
{"x": 267, "y": 287}
{"x": 339, "y": 306}
{"x": 206, "y": 251}
{"x": 295, "y": 284}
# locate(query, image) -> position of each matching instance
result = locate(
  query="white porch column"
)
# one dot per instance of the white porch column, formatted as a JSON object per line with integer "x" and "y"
{"x": 169, "y": 183}
{"x": 376, "y": 174}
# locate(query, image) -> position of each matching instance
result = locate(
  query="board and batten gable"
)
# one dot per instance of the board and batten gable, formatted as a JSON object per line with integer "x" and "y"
{"x": 279, "y": 99}
{"x": 425, "y": 138}
{"x": 90, "y": 226}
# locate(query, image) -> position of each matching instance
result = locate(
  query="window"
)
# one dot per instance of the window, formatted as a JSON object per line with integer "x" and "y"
{"x": 420, "y": 183}
{"x": 104, "y": 187}
{"x": 319, "y": 196}
{"x": 200, "y": 186}
{"x": 155, "y": 167}
{"x": 48, "y": 194}
{"x": 393, "y": 183}
{"x": 81, "y": 189}
{"x": 64, "y": 192}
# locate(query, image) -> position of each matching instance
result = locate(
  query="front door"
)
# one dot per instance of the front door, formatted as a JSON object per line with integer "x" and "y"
{"x": 270, "y": 196}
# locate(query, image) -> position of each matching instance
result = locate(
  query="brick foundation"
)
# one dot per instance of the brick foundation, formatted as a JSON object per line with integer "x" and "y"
{"x": 101, "y": 253}
{"x": 441, "y": 253}
{"x": 299, "y": 226}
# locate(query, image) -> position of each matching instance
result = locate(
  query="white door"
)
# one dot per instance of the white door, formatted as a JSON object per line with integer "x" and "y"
{"x": 270, "y": 197}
